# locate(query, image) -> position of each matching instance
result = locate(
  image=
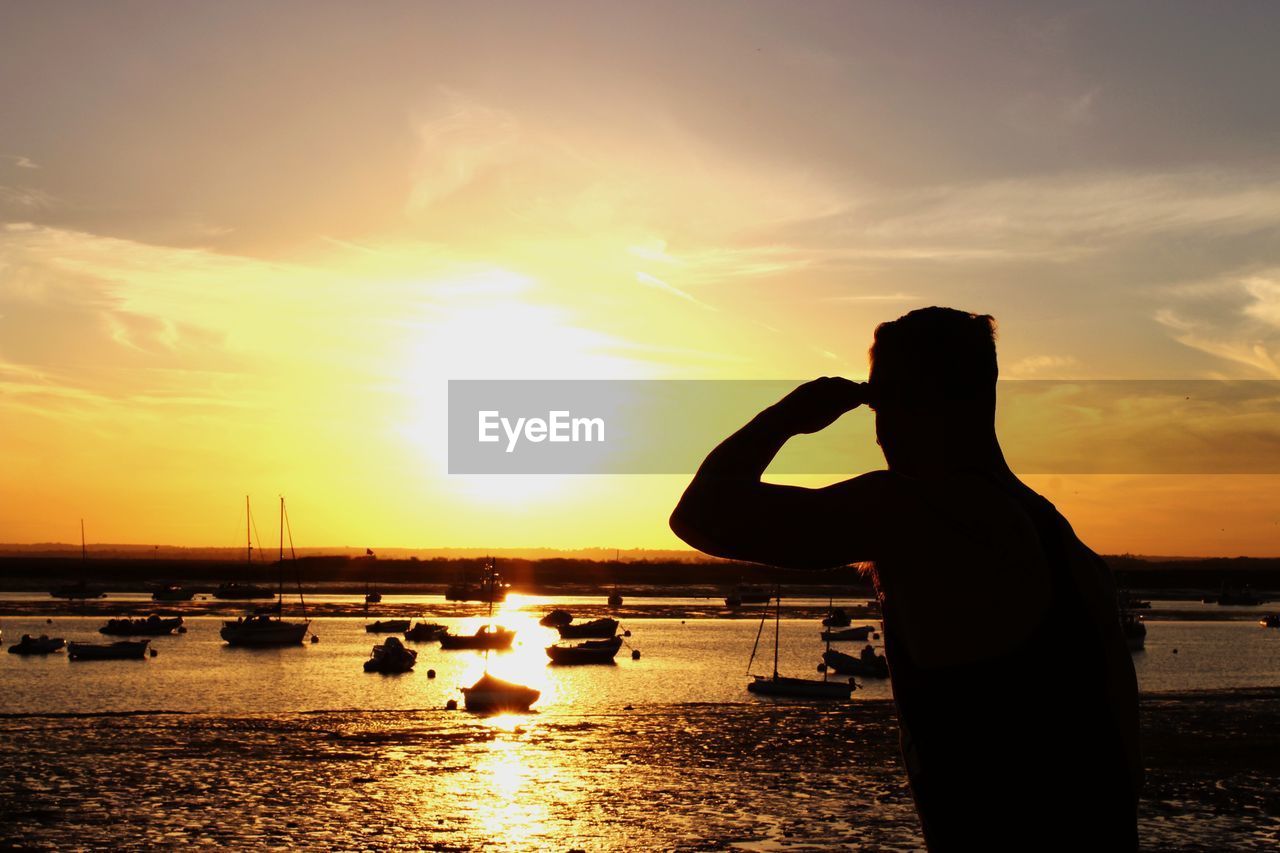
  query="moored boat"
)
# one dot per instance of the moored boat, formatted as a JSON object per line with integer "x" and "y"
{"x": 590, "y": 651}
{"x": 1270, "y": 621}
{"x": 556, "y": 618}
{"x": 76, "y": 591}
{"x": 152, "y": 626}
{"x": 837, "y": 618}
{"x": 1135, "y": 632}
{"x": 424, "y": 632}
{"x": 267, "y": 625}
{"x": 234, "y": 591}
{"x": 800, "y": 688}
{"x": 391, "y": 657}
{"x": 596, "y": 628}
{"x": 491, "y": 695}
{"x": 388, "y": 626}
{"x": 172, "y": 592}
{"x": 120, "y": 650}
{"x": 859, "y": 634}
{"x": 868, "y": 665}
{"x": 42, "y": 645}
{"x": 488, "y": 637}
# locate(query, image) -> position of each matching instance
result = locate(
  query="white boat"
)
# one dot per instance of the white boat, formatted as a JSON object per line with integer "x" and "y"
{"x": 265, "y": 629}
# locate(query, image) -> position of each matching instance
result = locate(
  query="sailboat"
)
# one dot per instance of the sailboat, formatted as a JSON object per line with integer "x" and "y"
{"x": 269, "y": 629}
{"x": 371, "y": 596}
{"x": 490, "y": 636}
{"x": 796, "y": 688}
{"x": 490, "y": 694}
{"x": 236, "y": 591}
{"x": 80, "y": 589}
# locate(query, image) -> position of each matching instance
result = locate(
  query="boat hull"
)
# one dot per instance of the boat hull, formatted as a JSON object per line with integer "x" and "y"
{"x": 859, "y": 635}
{"x": 274, "y": 633}
{"x": 241, "y": 592}
{"x": 800, "y": 688}
{"x": 490, "y": 640}
{"x": 595, "y": 629}
{"x": 843, "y": 664}
{"x": 123, "y": 650}
{"x": 389, "y": 626}
{"x": 37, "y": 646}
{"x": 598, "y": 652}
{"x": 490, "y": 695}
{"x": 141, "y": 627}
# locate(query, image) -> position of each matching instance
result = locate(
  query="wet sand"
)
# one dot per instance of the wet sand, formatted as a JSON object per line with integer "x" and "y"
{"x": 690, "y": 777}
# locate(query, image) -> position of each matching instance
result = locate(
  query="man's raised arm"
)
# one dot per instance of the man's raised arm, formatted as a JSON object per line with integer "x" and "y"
{"x": 726, "y": 511}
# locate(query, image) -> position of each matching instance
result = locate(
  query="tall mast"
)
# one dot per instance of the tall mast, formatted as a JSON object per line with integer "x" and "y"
{"x": 280, "y": 562}
{"x": 248, "y": 537}
{"x": 777, "y": 625}
{"x": 84, "y": 554}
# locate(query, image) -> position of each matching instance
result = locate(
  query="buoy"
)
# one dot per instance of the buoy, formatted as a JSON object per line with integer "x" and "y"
{"x": 875, "y": 635}
{"x": 451, "y": 705}
{"x": 822, "y": 667}
{"x": 314, "y": 638}
{"x": 48, "y": 621}
{"x": 1175, "y": 651}
{"x": 431, "y": 673}
{"x": 626, "y": 633}
{"x": 635, "y": 654}
{"x": 154, "y": 653}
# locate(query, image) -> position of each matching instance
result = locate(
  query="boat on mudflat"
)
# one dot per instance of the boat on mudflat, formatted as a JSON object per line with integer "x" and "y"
{"x": 151, "y": 626}
{"x": 76, "y": 591}
{"x": 172, "y": 592}
{"x": 591, "y": 651}
{"x": 492, "y": 695}
{"x": 388, "y": 626}
{"x": 121, "y": 650}
{"x": 42, "y": 645}
{"x": 596, "y": 628}
{"x": 489, "y": 637}
{"x": 556, "y": 618}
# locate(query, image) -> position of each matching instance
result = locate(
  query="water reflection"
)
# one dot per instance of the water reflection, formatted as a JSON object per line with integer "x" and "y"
{"x": 526, "y": 661}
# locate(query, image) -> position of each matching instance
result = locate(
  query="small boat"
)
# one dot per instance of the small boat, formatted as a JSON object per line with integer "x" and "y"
{"x": 800, "y": 688}
{"x": 795, "y": 688}
{"x": 490, "y": 637}
{"x": 172, "y": 592}
{"x": 152, "y": 626}
{"x": 373, "y": 598}
{"x": 868, "y": 665}
{"x": 1243, "y": 596}
{"x": 263, "y": 630}
{"x": 391, "y": 657}
{"x": 615, "y": 600}
{"x": 388, "y": 626}
{"x": 425, "y": 632}
{"x": 1272, "y": 621}
{"x": 76, "y": 591}
{"x": 42, "y": 645}
{"x": 742, "y": 594}
{"x": 233, "y": 591}
{"x": 122, "y": 650}
{"x": 267, "y": 626}
{"x": 491, "y": 695}
{"x": 556, "y": 618}
{"x": 837, "y": 618}
{"x": 591, "y": 651}
{"x": 1135, "y": 632}
{"x": 599, "y": 628}
{"x": 857, "y": 634}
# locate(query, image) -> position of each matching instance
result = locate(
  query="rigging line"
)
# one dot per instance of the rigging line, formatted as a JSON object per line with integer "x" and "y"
{"x": 755, "y": 647}
{"x": 293, "y": 556}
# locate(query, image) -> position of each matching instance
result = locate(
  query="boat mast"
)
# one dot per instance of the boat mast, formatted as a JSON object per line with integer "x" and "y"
{"x": 84, "y": 554}
{"x": 777, "y": 625}
{"x": 280, "y": 564}
{"x": 248, "y": 537}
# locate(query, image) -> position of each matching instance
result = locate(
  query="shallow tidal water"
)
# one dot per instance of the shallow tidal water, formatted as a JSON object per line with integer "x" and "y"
{"x": 299, "y": 747}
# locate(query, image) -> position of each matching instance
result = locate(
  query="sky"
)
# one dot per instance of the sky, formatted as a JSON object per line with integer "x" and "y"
{"x": 244, "y": 246}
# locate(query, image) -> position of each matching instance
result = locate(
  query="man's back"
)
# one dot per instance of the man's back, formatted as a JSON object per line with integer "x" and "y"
{"x": 1008, "y": 669}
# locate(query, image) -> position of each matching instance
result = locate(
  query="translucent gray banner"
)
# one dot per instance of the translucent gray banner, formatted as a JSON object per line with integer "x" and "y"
{"x": 1045, "y": 427}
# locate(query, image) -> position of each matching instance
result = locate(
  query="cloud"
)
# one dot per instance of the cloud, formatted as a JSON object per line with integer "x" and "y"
{"x": 19, "y": 161}
{"x": 1235, "y": 320}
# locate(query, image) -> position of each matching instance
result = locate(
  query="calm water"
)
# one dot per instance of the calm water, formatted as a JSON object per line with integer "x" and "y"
{"x": 682, "y": 661}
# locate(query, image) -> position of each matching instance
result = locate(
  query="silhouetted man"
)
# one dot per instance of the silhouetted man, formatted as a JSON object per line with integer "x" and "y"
{"x": 1016, "y": 695}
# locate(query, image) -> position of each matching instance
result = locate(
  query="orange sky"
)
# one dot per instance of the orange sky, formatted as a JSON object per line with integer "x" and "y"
{"x": 243, "y": 248}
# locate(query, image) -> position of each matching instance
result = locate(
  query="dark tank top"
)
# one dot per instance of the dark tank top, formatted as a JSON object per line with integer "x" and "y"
{"x": 1021, "y": 751}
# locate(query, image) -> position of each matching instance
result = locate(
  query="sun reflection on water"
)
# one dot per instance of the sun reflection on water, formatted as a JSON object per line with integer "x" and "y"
{"x": 526, "y": 661}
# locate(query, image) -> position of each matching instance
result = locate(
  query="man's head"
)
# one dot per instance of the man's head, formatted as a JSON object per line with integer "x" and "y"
{"x": 933, "y": 386}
